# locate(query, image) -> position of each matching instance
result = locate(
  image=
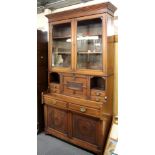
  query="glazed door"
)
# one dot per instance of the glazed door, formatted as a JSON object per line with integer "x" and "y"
{"x": 90, "y": 50}
{"x": 57, "y": 119}
{"x": 60, "y": 56}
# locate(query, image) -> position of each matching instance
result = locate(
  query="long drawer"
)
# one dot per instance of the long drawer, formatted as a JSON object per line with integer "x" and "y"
{"x": 55, "y": 103}
{"x": 84, "y": 110}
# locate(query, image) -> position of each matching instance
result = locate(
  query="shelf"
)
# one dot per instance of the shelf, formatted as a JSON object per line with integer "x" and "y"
{"x": 89, "y": 35}
{"x": 89, "y": 53}
{"x": 62, "y": 52}
{"x": 61, "y": 37}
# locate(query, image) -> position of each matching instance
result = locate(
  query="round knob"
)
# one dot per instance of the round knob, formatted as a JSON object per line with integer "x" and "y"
{"x": 105, "y": 97}
{"x": 42, "y": 57}
{"x": 82, "y": 109}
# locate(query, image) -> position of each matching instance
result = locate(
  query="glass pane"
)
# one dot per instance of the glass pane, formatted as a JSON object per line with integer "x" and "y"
{"x": 89, "y": 44}
{"x": 61, "y": 50}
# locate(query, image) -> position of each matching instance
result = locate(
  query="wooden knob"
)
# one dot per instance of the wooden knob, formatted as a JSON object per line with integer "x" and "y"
{"x": 82, "y": 109}
{"x": 105, "y": 97}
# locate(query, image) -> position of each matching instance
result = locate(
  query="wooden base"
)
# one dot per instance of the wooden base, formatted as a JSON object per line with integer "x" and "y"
{"x": 74, "y": 141}
{"x": 76, "y": 127}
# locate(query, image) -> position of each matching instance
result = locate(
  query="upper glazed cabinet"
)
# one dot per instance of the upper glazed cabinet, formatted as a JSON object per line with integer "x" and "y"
{"x": 82, "y": 44}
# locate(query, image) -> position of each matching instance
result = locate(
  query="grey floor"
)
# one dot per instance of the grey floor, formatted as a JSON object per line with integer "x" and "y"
{"x": 48, "y": 145}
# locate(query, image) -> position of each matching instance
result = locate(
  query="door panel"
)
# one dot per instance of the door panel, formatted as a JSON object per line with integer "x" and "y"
{"x": 85, "y": 128}
{"x": 57, "y": 119}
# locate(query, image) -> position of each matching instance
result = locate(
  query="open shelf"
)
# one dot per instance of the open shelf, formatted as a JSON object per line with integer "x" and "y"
{"x": 97, "y": 83}
{"x": 54, "y": 78}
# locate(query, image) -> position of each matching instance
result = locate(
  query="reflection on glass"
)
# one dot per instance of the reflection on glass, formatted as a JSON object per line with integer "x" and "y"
{"x": 61, "y": 50}
{"x": 89, "y": 44}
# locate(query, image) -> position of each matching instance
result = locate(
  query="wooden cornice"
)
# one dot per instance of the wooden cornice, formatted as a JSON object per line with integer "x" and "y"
{"x": 83, "y": 11}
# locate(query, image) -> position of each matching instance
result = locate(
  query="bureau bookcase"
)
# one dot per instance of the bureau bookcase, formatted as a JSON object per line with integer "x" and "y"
{"x": 78, "y": 106}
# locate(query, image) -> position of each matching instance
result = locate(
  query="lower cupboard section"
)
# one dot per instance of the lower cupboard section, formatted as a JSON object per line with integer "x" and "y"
{"x": 85, "y": 131}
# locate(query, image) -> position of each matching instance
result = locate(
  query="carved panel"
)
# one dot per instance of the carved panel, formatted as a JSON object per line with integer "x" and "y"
{"x": 85, "y": 128}
{"x": 57, "y": 119}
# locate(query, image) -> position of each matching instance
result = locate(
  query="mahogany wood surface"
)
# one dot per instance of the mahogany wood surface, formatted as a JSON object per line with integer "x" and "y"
{"x": 76, "y": 110}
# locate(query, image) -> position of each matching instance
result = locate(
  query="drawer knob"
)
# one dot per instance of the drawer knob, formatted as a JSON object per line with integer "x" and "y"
{"x": 105, "y": 97}
{"x": 98, "y": 94}
{"x": 82, "y": 109}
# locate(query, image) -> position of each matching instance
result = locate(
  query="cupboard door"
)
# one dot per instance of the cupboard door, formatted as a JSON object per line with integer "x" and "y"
{"x": 61, "y": 45}
{"x": 85, "y": 128}
{"x": 89, "y": 44}
{"x": 57, "y": 119}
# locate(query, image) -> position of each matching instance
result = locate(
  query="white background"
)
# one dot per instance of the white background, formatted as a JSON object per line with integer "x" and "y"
{"x": 18, "y": 77}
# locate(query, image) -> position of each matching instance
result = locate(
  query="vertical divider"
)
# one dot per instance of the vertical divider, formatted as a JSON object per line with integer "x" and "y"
{"x": 49, "y": 51}
{"x": 72, "y": 45}
{"x": 104, "y": 42}
{"x": 75, "y": 44}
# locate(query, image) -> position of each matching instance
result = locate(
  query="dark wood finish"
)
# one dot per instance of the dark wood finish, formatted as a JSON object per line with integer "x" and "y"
{"x": 42, "y": 72}
{"x": 78, "y": 106}
{"x": 57, "y": 119}
{"x": 84, "y": 11}
{"x": 85, "y": 128}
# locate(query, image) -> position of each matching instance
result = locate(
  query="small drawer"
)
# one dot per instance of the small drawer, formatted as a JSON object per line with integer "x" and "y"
{"x": 53, "y": 90}
{"x": 97, "y": 93}
{"x": 84, "y": 110}
{"x": 55, "y": 86}
{"x": 76, "y": 79}
{"x": 98, "y": 99}
{"x": 55, "y": 103}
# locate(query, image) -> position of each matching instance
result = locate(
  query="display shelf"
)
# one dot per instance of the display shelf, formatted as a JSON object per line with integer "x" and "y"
{"x": 61, "y": 37}
{"x": 89, "y": 52}
{"x": 62, "y": 52}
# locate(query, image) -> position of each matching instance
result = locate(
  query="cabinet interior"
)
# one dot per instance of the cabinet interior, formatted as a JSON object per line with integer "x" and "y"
{"x": 97, "y": 83}
{"x": 89, "y": 44}
{"x": 54, "y": 78}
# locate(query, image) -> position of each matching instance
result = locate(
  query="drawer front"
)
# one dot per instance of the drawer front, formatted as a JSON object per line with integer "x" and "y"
{"x": 55, "y": 86}
{"x": 97, "y": 93}
{"x": 76, "y": 79}
{"x": 55, "y": 103}
{"x": 53, "y": 90}
{"x": 75, "y": 85}
{"x": 99, "y": 99}
{"x": 84, "y": 110}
